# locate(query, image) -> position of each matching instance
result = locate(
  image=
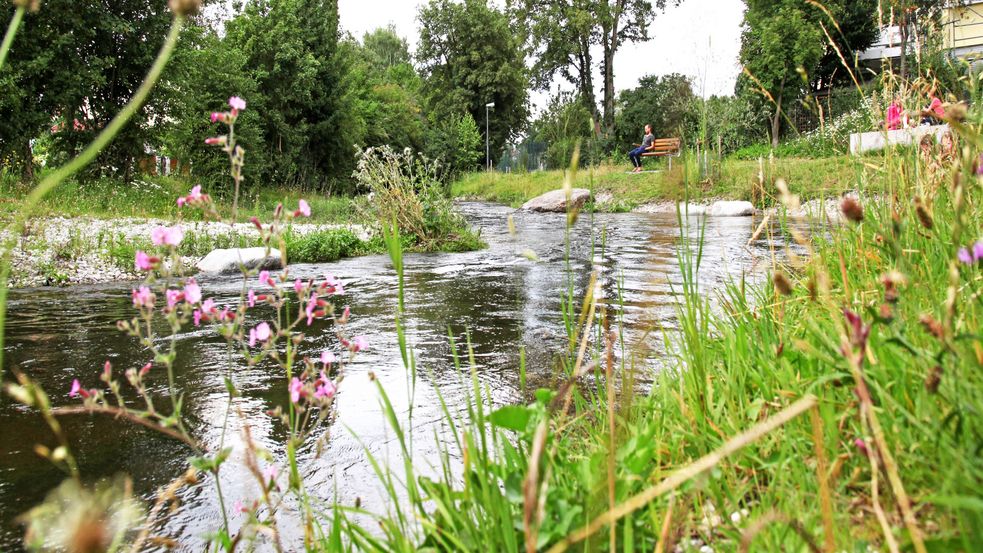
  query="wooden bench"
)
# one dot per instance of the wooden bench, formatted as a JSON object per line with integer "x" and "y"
{"x": 665, "y": 147}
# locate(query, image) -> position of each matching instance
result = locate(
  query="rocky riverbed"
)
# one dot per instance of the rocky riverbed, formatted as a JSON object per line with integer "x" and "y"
{"x": 60, "y": 251}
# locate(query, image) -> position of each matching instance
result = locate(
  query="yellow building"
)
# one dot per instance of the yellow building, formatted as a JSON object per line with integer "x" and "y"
{"x": 962, "y": 27}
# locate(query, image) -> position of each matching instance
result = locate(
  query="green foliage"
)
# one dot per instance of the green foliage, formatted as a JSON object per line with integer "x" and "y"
{"x": 456, "y": 143}
{"x": 667, "y": 103}
{"x": 470, "y": 56}
{"x": 307, "y": 122}
{"x": 385, "y": 49}
{"x": 564, "y": 124}
{"x": 323, "y": 246}
{"x": 786, "y": 51}
{"x": 80, "y": 61}
{"x": 731, "y": 119}
{"x": 406, "y": 190}
{"x": 204, "y": 73}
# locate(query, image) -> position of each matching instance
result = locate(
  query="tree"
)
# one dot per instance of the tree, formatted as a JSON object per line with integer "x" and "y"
{"x": 308, "y": 122}
{"x": 562, "y": 36}
{"x": 667, "y": 103}
{"x": 72, "y": 68}
{"x": 855, "y": 30}
{"x": 385, "y": 48}
{"x": 562, "y": 125}
{"x": 913, "y": 16}
{"x": 470, "y": 57}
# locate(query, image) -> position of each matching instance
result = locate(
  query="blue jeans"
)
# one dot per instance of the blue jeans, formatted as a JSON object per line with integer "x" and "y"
{"x": 636, "y": 156}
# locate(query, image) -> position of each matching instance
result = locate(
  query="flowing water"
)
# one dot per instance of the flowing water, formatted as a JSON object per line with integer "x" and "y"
{"x": 499, "y": 298}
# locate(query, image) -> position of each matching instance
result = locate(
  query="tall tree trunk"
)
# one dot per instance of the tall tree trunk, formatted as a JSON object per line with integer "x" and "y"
{"x": 776, "y": 121}
{"x": 610, "y": 49}
{"x": 587, "y": 84}
{"x": 27, "y": 174}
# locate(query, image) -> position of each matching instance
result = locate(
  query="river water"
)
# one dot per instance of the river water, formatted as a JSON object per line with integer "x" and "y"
{"x": 497, "y": 296}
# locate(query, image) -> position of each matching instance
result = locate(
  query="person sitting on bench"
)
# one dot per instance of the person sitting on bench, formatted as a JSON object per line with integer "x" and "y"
{"x": 636, "y": 155}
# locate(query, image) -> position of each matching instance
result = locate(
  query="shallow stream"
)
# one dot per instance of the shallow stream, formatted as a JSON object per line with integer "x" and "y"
{"x": 497, "y": 296}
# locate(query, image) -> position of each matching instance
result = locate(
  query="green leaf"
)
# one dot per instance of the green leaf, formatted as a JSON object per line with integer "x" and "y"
{"x": 513, "y": 417}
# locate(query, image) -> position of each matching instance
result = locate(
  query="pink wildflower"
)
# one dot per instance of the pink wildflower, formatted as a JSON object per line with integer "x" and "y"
{"x": 208, "y": 306}
{"x": 216, "y": 140}
{"x": 216, "y": 116}
{"x": 309, "y": 310}
{"x": 965, "y": 256}
{"x": 345, "y": 315}
{"x": 76, "y": 388}
{"x": 143, "y": 298}
{"x": 173, "y": 297}
{"x": 237, "y": 103}
{"x": 163, "y": 236}
{"x": 862, "y": 446}
{"x": 146, "y": 369}
{"x": 197, "y": 317}
{"x": 328, "y": 357}
{"x": 251, "y": 298}
{"x": 192, "y": 292}
{"x": 270, "y": 473}
{"x": 334, "y": 285}
{"x": 145, "y": 262}
{"x": 303, "y": 208}
{"x": 260, "y": 333}
{"x": 325, "y": 387}
{"x": 264, "y": 278}
{"x": 298, "y": 286}
{"x": 296, "y": 390}
{"x": 358, "y": 343}
{"x": 978, "y": 251}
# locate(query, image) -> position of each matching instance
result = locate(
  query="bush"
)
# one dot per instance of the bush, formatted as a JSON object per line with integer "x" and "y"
{"x": 406, "y": 188}
{"x": 830, "y": 140}
{"x": 456, "y": 143}
{"x": 323, "y": 246}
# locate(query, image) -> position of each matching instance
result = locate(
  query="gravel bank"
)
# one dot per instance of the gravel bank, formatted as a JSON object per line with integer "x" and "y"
{"x": 61, "y": 251}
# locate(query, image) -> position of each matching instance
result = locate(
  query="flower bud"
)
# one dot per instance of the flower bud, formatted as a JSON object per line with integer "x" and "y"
{"x": 933, "y": 379}
{"x": 924, "y": 215}
{"x": 185, "y": 7}
{"x": 932, "y": 326}
{"x": 852, "y": 209}
{"x": 782, "y": 283}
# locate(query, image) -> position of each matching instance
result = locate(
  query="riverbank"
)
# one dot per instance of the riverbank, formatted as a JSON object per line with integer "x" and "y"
{"x": 615, "y": 190}
{"x": 56, "y": 251}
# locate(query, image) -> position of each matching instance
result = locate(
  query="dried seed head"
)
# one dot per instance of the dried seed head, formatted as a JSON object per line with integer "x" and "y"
{"x": 185, "y": 7}
{"x": 932, "y": 326}
{"x": 886, "y": 313}
{"x": 956, "y": 111}
{"x": 782, "y": 283}
{"x": 924, "y": 215}
{"x": 852, "y": 210}
{"x": 933, "y": 379}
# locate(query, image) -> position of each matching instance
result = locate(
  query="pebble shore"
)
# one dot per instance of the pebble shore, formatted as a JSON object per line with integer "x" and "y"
{"x": 62, "y": 251}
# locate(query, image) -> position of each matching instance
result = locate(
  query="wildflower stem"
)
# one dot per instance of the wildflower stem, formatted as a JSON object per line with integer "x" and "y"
{"x": 125, "y": 414}
{"x": 8, "y": 37}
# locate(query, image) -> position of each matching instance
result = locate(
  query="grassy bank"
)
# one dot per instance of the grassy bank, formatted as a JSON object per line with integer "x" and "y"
{"x": 154, "y": 197}
{"x": 734, "y": 179}
{"x": 835, "y": 409}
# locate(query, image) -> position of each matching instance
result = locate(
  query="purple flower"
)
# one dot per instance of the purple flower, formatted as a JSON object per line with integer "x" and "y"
{"x": 76, "y": 388}
{"x": 192, "y": 292}
{"x": 163, "y": 236}
{"x": 978, "y": 251}
{"x": 296, "y": 390}
{"x": 965, "y": 256}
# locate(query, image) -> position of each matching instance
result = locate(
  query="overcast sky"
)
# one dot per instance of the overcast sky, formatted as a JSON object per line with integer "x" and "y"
{"x": 699, "y": 38}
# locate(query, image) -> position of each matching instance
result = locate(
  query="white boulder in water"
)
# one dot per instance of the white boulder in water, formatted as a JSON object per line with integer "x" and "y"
{"x": 556, "y": 201}
{"x": 230, "y": 260}
{"x": 731, "y": 209}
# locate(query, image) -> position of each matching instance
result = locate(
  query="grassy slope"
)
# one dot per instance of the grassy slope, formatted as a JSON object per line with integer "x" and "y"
{"x": 738, "y": 180}
{"x": 154, "y": 197}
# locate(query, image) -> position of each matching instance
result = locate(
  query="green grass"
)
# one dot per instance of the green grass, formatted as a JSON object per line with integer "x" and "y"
{"x": 738, "y": 358}
{"x": 155, "y": 197}
{"x": 737, "y": 180}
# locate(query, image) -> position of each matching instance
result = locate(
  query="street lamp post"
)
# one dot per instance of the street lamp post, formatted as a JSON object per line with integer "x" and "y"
{"x": 488, "y": 107}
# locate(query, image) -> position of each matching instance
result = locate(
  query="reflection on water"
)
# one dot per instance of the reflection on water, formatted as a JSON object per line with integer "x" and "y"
{"x": 498, "y": 298}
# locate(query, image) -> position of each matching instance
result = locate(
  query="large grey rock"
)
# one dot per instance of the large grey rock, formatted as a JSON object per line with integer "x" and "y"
{"x": 556, "y": 201}
{"x": 731, "y": 209}
{"x": 229, "y": 261}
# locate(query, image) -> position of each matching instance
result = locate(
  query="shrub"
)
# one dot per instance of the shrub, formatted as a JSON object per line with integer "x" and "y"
{"x": 406, "y": 188}
{"x": 323, "y": 246}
